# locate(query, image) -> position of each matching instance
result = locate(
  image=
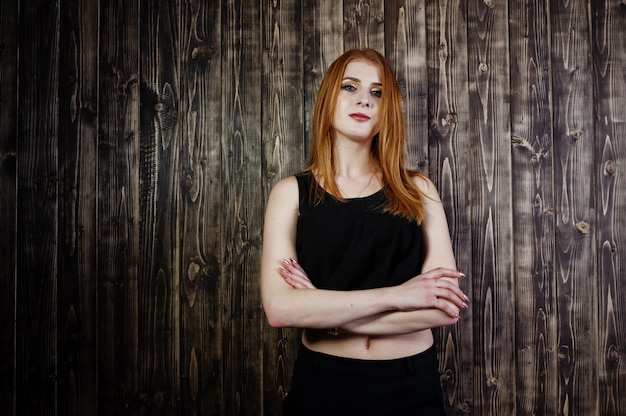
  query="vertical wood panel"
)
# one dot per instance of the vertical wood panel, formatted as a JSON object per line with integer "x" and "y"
{"x": 575, "y": 222}
{"x": 242, "y": 198}
{"x": 77, "y": 289}
{"x": 158, "y": 277}
{"x": 405, "y": 39}
{"x": 533, "y": 209}
{"x": 118, "y": 208}
{"x": 488, "y": 70}
{"x": 322, "y": 37}
{"x": 8, "y": 184}
{"x": 203, "y": 338}
{"x": 609, "y": 57}
{"x": 37, "y": 195}
{"x": 364, "y": 24}
{"x": 283, "y": 155}
{"x": 448, "y": 133}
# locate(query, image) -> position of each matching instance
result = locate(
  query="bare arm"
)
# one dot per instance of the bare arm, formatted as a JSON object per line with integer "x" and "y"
{"x": 292, "y": 306}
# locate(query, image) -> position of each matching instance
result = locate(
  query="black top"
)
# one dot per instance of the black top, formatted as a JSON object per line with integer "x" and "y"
{"x": 355, "y": 244}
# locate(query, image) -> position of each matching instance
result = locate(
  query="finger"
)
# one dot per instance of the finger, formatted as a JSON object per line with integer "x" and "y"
{"x": 446, "y": 308}
{"x": 460, "y": 300}
{"x": 457, "y": 291}
{"x": 443, "y": 272}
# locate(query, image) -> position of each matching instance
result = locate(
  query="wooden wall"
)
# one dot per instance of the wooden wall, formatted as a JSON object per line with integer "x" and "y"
{"x": 139, "y": 141}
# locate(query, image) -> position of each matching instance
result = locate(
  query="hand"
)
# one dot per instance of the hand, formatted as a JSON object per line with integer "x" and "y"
{"x": 429, "y": 290}
{"x": 294, "y": 275}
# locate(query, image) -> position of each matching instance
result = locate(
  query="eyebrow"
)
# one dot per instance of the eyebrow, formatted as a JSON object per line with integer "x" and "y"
{"x": 358, "y": 80}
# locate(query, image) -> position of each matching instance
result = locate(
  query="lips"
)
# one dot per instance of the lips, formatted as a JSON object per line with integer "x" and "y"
{"x": 360, "y": 116}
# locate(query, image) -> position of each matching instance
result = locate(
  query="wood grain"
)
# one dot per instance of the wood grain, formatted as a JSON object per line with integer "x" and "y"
{"x": 8, "y": 202}
{"x": 363, "y": 24}
{"x": 490, "y": 168}
{"x": 201, "y": 211}
{"x": 448, "y": 123}
{"x": 283, "y": 145}
{"x": 159, "y": 252}
{"x": 37, "y": 196}
{"x": 405, "y": 39}
{"x": 118, "y": 161}
{"x": 575, "y": 222}
{"x": 608, "y": 30}
{"x": 242, "y": 196}
{"x": 533, "y": 205}
{"x": 78, "y": 136}
{"x": 322, "y": 37}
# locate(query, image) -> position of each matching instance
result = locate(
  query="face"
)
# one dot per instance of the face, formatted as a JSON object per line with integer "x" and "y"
{"x": 357, "y": 112}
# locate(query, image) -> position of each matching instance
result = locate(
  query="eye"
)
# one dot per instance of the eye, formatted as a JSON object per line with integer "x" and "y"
{"x": 377, "y": 93}
{"x": 348, "y": 87}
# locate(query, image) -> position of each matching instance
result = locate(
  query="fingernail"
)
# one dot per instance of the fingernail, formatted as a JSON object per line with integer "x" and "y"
{"x": 462, "y": 274}
{"x": 293, "y": 261}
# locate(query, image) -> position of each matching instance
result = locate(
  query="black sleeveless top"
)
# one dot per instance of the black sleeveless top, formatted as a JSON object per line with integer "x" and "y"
{"x": 355, "y": 244}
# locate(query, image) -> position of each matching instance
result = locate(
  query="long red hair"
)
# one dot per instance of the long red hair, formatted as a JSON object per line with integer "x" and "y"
{"x": 388, "y": 146}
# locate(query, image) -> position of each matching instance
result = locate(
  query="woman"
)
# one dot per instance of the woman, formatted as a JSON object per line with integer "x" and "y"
{"x": 357, "y": 253}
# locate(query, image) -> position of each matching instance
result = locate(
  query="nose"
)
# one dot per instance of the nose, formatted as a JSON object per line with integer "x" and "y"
{"x": 364, "y": 101}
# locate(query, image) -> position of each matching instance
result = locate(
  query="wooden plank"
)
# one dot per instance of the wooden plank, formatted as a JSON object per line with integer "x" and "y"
{"x": 9, "y": 32}
{"x": 575, "y": 255}
{"x": 283, "y": 155}
{"x": 77, "y": 298}
{"x": 364, "y": 24}
{"x": 243, "y": 207}
{"x": 533, "y": 208}
{"x": 322, "y": 36}
{"x": 448, "y": 118}
{"x": 203, "y": 326}
{"x": 609, "y": 57}
{"x": 490, "y": 169}
{"x": 159, "y": 254}
{"x": 405, "y": 49}
{"x": 37, "y": 195}
{"x": 118, "y": 208}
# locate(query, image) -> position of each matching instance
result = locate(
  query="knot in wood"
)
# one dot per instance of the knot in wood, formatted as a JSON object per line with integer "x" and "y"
{"x": 192, "y": 271}
{"x": 465, "y": 408}
{"x": 492, "y": 381}
{"x": 186, "y": 182}
{"x": 575, "y": 134}
{"x": 583, "y": 227}
{"x": 482, "y": 68}
{"x": 613, "y": 354}
{"x": 609, "y": 165}
{"x": 446, "y": 376}
{"x": 158, "y": 107}
{"x": 451, "y": 118}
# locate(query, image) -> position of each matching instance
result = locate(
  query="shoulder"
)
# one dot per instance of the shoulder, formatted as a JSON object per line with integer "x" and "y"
{"x": 285, "y": 187}
{"x": 426, "y": 187}
{"x": 284, "y": 194}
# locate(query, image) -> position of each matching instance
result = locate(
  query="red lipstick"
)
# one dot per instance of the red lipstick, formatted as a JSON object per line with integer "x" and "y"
{"x": 360, "y": 116}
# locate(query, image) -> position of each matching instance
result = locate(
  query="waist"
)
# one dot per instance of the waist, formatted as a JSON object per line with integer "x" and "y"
{"x": 363, "y": 347}
{"x": 413, "y": 363}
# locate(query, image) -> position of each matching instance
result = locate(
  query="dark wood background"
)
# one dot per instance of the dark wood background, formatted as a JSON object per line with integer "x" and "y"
{"x": 139, "y": 141}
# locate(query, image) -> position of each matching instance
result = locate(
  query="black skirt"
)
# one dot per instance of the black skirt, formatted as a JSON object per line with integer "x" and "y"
{"x": 328, "y": 385}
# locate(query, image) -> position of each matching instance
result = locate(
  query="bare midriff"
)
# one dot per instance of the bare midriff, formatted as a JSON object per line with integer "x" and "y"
{"x": 365, "y": 347}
